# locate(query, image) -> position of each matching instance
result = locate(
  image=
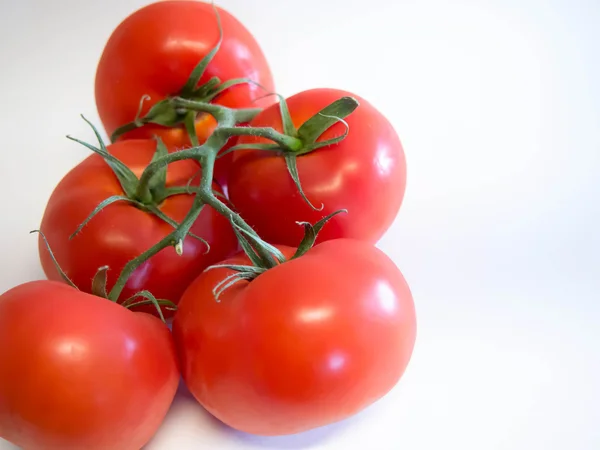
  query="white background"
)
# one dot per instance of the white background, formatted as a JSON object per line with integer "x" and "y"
{"x": 498, "y": 106}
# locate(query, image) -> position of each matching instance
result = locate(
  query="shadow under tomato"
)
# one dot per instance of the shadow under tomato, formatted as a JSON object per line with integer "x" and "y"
{"x": 303, "y": 440}
{"x": 187, "y": 416}
{"x": 291, "y": 442}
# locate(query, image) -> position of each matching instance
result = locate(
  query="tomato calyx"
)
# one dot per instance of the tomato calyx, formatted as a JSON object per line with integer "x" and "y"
{"x": 311, "y": 231}
{"x": 297, "y": 142}
{"x": 310, "y": 131}
{"x": 259, "y": 265}
{"x": 152, "y": 193}
{"x": 168, "y": 113}
{"x": 145, "y": 193}
{"x": 99, "y": 283}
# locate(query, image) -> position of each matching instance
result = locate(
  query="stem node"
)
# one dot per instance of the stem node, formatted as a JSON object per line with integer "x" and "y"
{"x": 179, "y": 247}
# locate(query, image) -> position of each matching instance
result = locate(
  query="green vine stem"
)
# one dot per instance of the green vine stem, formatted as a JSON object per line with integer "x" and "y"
{"x": 263, "y": 255}
{"x": 206, "y": 155}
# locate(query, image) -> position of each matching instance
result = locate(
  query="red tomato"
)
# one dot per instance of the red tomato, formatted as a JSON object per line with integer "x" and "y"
{"x": 80, "y": 372}
{"x": 123, "y": 231}
{"x": 307, "y": 343}
{"x": 365, "y": 174}
{"x": 153, "y": 52}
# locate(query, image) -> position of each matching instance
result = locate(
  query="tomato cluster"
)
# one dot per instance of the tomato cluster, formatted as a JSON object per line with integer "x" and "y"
{"x": 246, "y": 218}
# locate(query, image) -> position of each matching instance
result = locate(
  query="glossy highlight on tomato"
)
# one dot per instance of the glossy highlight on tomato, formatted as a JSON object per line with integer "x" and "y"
{"x": 123, "y": 231}
{"x": 81, "y": 372}
{"x": 365, "y": 174}
{"x": 307, "y": 343}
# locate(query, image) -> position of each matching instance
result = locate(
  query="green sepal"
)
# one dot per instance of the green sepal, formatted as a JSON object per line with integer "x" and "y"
{"x": 229, "y": 281}
{"x": 100, "y": 207}
{"x": 291, "y": 163}
{"x": 163, "y": 113}
{"x": 99, "y": 282}
{"x": 190, "y": 127}
{"x": 150, "y": 300}
{"x": 220, "y": 88}
{"x": 174, "y": 190}
{"x": 285, "y": 142}
{"x": 265, "y": 147}
{"x": 238, "y": 268}
{"x": 328, "y": 142}
{"x": 205, "y": 89}
{"x": 242, "y": 272}
{"x": 247, "y": 248}
{"x": 254, "y": 239}
{"x": 125, "y": 129}
{"x": 126, "y": 177}
{"x": 286, "y": 118}
{"x": 198, "y": 71}
{"x": 311, "y": 232}
{"x": 220, "y": 196}
{"x": 314, "y": 127}
{"x": 168, "y": 305}
{"x": 245, "y": 115}
{"x": 138, "y": 115}
{"x": 61, "y": 272}
{"x": 137, "y": 122}
{"x": 158, "y": 183}
{"x": 188, "y": 186}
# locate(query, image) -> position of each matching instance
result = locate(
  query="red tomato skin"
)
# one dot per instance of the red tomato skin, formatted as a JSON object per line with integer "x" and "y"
{"x": 308, "y": 343}
{"x": 153, "y": 52}
{"x": 365, "y": 174}
{"x": 80, "y": 372}
{"x": 122, "y": 231}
